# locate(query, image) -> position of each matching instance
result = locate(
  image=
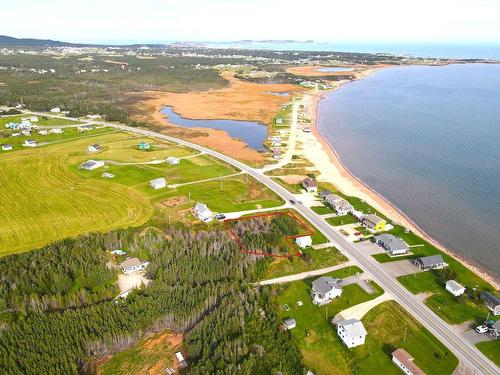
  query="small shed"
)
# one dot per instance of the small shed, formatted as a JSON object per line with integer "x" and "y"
{"x": 455, "y": 288}
{"x": 173, "y": 161}
{"x": 289, "y": 323}
{"x": 90, "y": 165}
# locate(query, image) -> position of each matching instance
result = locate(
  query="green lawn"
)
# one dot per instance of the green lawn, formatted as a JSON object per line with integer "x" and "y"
{"x": 322, "y": 210}
{"x": 311, "y": 259}
{"x": 452, "y": 309}
{"x": 42, "y": 121}
{"x": 315, "y": 336}
{"x": 384, "y": 258}
{"x": 491, "y": 349}
{"x": 294, "y": 188}
{"x": 342, "y": 220}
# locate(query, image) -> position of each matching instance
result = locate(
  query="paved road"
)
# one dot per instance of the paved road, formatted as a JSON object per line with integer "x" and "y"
{"x": 465, "y": 352}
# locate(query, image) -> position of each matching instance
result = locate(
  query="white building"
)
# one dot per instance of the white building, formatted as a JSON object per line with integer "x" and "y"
{"x": 43, "y": 132}
{"x": 404, "y": 361}
{"x": 55, "y": 110}
{"x": 56, "y": 131}
{"x": 290, "y": 323}
{"x": 339, "y": 204}
{"x": 181, "y": 360}
{"x": 133, "y": 265}
{"x": 173, "y": 161}
{"x": 6, "y": 147}
{"x": 202, "y": 212}
{"x": 324, "y": 290}
{"x": 310, "y": 185}
{"x": 34, "y": 119}
{"x": 95, "y": 148}
{"x": 29, "y": 143}
{"x": 455, "y": 288}
{"x": 392, "y": 244}
{"x": 158, "y": 183}
{"x": 352, "y": 332}
{"x": 90, "y": 165}
{"x": 304, "y": 241}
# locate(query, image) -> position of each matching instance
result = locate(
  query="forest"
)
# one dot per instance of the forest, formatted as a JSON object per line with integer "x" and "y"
{"x": 201, "y": 286}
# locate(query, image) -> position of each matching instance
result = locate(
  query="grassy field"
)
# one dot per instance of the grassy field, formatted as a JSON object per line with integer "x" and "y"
{"x": 342, "y": 220}
{"x": 311, "y": 259}
{"x": 384, "y": 258}
{"x": 42, "y": 121}
{"x": 149, "y": 356}
{"x": 46, "y": 196}
{"x": 322, "y": 210}
{"x": 490, "y": 349}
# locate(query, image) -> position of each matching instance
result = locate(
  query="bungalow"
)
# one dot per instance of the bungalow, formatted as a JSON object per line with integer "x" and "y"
{"x": 339, "y": 204}
{"x": 43, "y": 132}
{"x": 279, "y": 120}
{"x": 84, "y": 128}
{"x": 392, "y": 244}
{"x": 158, "y": 183}
{"x": 432, "y": 262}
{"x": 352, "y": 332}
{"x": 180, "y": 360}
{"x": 289, "y": 323}
{"x": 324, "y": 290}
{"x": 144, "y": 146}
{"x": 495, "y": 330}
{"x": 56, "y": 131}
{"x": 492, "y": 302}
{"x": 107, "y": 175}
{"x": 303, "y": 241}
{"x": 90, "y": 165}
{"x": 455, "y": 288}
{"x": 29, "y": 143}
{"x": 173, "y": 161}
{"x": 373, "y": 222}
{"x": 132, "y": 265}
{"x": 26, "y": 132}
{"x": 55, "y": 110}
{"x": 95, "y": 148}
{"x": 34, "y": 119}
{"x": 6, "y": 147}
{"x": 404, "y": 361}
{"x": 310, "y": 185}
{"x": 202, "y": 212}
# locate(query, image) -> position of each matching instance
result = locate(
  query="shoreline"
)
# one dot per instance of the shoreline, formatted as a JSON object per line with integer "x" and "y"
{"x": 352, "y": 185}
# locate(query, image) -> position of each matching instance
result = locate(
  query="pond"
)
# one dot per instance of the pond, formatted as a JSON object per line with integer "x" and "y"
{"x": 252, "y": 133}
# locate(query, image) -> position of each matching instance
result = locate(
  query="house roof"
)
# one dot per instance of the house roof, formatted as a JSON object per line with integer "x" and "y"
{"x": 353, "y": 327}
{"x": 130, "y": 263}
{"x": 453, "y": 285}
{"x": 372, "y": 218}
{"x": 407, "y": 360}
{"x": 310, "y": 182}
{"x": 88, "y": 164}
{"x": 158, "y": 181}
{"x": 324, "y": 284}
{"x": 290, "y": 321}
{"x": 490, "y": 298}
{"x": 392, "y": 242}
{"x": 324, "y": 193}
{"x": 201, "y": 208}
{"x": 431, "y": 260}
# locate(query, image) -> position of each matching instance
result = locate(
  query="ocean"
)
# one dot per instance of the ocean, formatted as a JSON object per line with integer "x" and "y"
{"x": 428, "y": 140}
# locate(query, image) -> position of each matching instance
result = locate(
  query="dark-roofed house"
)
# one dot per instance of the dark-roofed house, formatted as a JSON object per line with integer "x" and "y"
{"x": 431, "y": 262}
{"x": 492, "y": 302}
{"x": 404, "y": 361}
{"x": 324, "y": 289}
{"x": 310, "y": 185}
{"x": 373, "y": 222}
{"x": 392, "y": 244}
{"x": 289, "y": 323}
{"x": 132, "y": 265}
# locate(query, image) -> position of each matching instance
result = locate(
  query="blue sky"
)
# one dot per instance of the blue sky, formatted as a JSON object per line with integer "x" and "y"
{"x": 456, "y": 21}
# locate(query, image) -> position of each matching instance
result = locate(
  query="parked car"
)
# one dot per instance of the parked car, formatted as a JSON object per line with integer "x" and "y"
{"x": 481, "y": 329}
{"x": 220, "y": 216}
{"x": 292, "y": 201}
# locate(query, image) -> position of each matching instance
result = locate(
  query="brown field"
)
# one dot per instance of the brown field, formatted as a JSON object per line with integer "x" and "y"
{"x": 239, "y": 101}
{"x": 311, "y": 70}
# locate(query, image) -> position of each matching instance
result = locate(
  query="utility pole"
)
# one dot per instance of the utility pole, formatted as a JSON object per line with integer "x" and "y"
{"x": 221, "y": 181}
{"x": 406, "y": 331}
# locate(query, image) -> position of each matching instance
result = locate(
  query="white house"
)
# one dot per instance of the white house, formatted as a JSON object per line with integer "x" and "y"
{"x": 55, "y": 110}
{"x": 324, "y": 290}
{"x": 132, "y": 265}
{"x": 26, "y": 132}
{"x": 303, "y": 241}
{"x": 84, "y": 128}
{"x": 339, "y": 204}
{"x": 43, "y": 132}
{"x": 404, "y": 361}
{"x": 392, "y": 244}
{"x": 90, "y": 165}
{"x": 95, "y": 148}
{"x": 310, "y": 185}
{"x": 6, "y": 147}
{"x": 202, "y": 212}
{"x": 181, "y": 360}
{"x": 352, "y": 332}
{"x": 56, "y": 131}
{"x": 455, "y": 288}
{"x": 34, "y": 119}
{"x": 158, "y": 183}
{"x": 173, "y": 161}
{"x": 29, "y": 143}
{"x": 290, "y": 323}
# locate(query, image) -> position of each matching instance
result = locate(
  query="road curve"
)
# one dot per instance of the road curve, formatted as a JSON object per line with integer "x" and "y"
{"x": 466, "y": 352}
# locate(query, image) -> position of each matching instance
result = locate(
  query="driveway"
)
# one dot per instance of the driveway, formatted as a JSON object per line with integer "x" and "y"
{"x": 399, "y": 268}
{"x": 304, "y": 275}
{"x": 368, "y": 247}
{"x": 473, "y": 337}
{"x": 361, "y": 280}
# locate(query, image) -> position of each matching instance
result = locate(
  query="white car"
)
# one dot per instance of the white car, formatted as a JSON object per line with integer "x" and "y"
{"x": 481, "y": 329}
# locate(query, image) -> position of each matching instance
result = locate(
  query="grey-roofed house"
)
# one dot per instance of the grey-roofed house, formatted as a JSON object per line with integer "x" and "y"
{"x": 158, "y": 183}
{"x": 132, "y": 265}
{"x": 455, "y": 288}
{"x": 202, "y": 212}
{"x": 352, "y": 332}
{"x": 339, "y": 204}
{"x": 492, "y": 302}
{"x": 324, "y": 290}
{"x": 90, "y": 165}
{"x": 324, "y": 193}
{"x": 392, "y": 244}
{"x": 431, "y": 262}
{"x": 289, "y": 323}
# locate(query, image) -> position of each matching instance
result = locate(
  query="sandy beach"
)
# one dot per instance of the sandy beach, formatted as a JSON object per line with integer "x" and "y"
{"x": 327, "y": 161}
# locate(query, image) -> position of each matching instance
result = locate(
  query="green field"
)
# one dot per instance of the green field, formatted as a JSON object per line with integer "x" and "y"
{"x": 490, "y": 349}
{"x": 311, "y": 259}
{"x": 342, "y": 220}
{"x": 384, "y": 258}
{"x": 322, "y": 210}
{"x": 46, "y": 196}
{"x": 42, "y": 121}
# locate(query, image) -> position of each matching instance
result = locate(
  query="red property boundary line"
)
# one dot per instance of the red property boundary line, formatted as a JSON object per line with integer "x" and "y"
{"x": 288, "y": 239}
